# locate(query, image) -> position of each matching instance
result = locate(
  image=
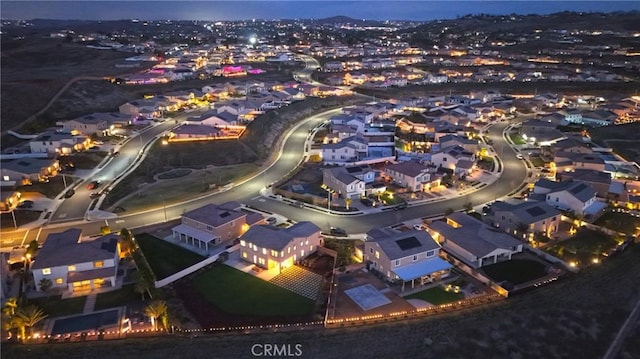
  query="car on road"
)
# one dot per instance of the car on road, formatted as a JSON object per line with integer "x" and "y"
{"x": 25, "y": 204}
{"x": 338, "y": 232}
{"x": 116, "y": 154}
{"x": 94, "y": 195}
{"x": 519, "y": 156}
{"x": 403, "y": 205}
{"x": 93, "y": 184}
{"x": 419, "y": 227}
{"x": 271, "y": 220}
{"x": 69, "y": 193}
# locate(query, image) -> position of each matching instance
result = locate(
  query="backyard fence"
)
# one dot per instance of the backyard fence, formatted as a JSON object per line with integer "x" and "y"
{"x": 548, "y": 257}
{"x": 185, "y": 272}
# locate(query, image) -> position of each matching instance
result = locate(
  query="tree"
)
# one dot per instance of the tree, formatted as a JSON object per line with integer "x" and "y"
{"x": 45, "y": 284}
{"x": 9, "y": 307}
{"x": 156, "y": 310}
{"x": 127, "y": 244}
{"x": 142, "y": 284}
{"x": 347, "y": 202}
{"x": 32, "y": 249}
{"x": 522, "y": 229}
{"x": 104, "y": 230}
{"x": 30, "y": 316}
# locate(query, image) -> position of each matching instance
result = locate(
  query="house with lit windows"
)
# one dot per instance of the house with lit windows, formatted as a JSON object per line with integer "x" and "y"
{"x": 277, "y": 248}
{"x": 401, "y": 257}
{"x": 214, "y": 224}
{"x": 77, "y": 264}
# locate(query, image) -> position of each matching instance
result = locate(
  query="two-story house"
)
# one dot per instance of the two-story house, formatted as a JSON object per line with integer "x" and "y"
{"x": 59, "y": 143}
{"x": 576, "y": 197}
{"x": 454, "y": 158}
{"x": 404, "y": 256}
{"x": 76, "y": 264}
{"x": 213, "y": 224}
{"x": 535, "y": 216}
{"x": 413, "y": 175}
{"x": 350, "y": 149}
{"x": 271, "y": 247}
{"x": 27, "y": 170}
{"x": 473, "y": 242}
{"x": 348, "y": 182}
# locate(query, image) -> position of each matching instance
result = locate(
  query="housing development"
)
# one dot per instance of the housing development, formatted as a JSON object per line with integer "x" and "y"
{"x": 294, "y": 185}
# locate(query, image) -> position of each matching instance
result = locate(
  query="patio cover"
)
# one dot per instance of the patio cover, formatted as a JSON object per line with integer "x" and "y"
{"x": 195, "y": 233}
{"x": 594, "y": 208}
{"x": 417, "y": 270}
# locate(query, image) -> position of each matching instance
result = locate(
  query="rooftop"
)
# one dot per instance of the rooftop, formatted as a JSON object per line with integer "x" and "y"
{"x": 65, "y": 248}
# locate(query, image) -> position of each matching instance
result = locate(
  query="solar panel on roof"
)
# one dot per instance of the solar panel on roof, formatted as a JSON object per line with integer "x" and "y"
{"x": 225, "y": 214}
{"x": 408, "y": 243}
{"x": 535, "y": 211}
{"x": 353, "y": 169}
{"x": 578, "y": 188}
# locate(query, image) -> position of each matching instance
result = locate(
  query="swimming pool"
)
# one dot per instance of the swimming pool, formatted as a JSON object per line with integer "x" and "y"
{"x": 88, "y": 322}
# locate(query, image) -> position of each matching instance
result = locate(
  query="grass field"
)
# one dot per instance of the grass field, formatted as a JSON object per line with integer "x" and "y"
{"x": 165, "y": 258}
{"x": 55, "y": 306}
{"x": 239, "y": 293}
{"x": 117, "y": 298}
{"x": 516, "y": 271}
{"x": 620, "y": 222}
{"x": 517, "y": 138}
{"x": 436, "y": 296}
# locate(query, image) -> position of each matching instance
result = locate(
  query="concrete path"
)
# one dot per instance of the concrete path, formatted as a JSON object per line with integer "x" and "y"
{"x": 90, "y": 303}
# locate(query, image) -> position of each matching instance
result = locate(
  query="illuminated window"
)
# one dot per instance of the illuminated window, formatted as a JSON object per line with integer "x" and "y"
{"x": 98, "y": 264}
{"x": 264, "y": 251}
{"x": 243, "y": 243}
{"x": 377, "y": 255}
{"x": 244, "y": 255}
{"x": 46, "y": 271}
{"x": 71, "y": 268}
{"x": 5, "y": 178}
{"x": 58, "y": 280}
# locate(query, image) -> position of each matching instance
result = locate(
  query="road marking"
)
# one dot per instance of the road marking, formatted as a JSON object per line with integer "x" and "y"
{"x": 120, "y": 221}
{"x": 25, "y": 237}
{"x": 262, "y": 200}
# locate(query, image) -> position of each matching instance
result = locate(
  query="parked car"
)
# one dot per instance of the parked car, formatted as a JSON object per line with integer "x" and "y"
{"x": 519, "y": 156}
{"x": 338, "y": 232}
{"x": 69, "y": 193}
{"x": 367, "y": 202}
{"x": 25, "y": 204}
{"x": 419, "y": 227}
{"x": 272, "y": 220}
{"x": 403, "y": 205}
{"x": 93, "y": 184}
{"x": 94, "y": 195}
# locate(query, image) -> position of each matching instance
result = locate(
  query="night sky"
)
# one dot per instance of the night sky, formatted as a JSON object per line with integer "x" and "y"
{"x": 237, "y": 10}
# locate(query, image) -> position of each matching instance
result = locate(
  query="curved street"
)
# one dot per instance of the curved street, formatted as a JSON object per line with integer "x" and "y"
{"x": 289, "y": 157}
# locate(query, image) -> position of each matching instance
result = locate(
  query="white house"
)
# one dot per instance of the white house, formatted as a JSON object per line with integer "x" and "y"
{"x": 75, "y": 264}
{"x": 536, "y": 216}
{"x": 449, "y": 157}
{"x": 345, "y": 184}
{"x": 350, "y": 149}
{"x": 413, "y": 175}
{"x": 580, "y": 198}
{"x": 276, "y": 248}
{"x": 59, "y": 143}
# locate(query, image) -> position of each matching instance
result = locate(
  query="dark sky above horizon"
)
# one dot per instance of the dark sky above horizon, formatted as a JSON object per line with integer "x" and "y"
{"x": 238, "y": 10}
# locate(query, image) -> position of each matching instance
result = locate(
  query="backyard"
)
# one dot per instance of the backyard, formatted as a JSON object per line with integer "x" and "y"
{"x": 55, "y": 306}
{"x": 585, "y": 247}
{"x": 236, "y": 292}
{"x": 117, "y": 298}
{"x": 165, "y": 258}
{"x": 620, "y": 222}
{"x": 516, "y": 271}
{"x": 52, "y": 188}
{"x": 517, "y": 138}
{"x": 436, "y": 296}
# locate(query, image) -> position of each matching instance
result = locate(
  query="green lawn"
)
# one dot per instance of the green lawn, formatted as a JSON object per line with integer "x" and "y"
{"x": 236, "y": 292}
{"x": 55, "y": 306}
{"x": 619, "y": 221}
{"x": 117, "y": 298}
{"x": 537, "y": 162}
{"x": 516, "y": 271}
{"x": 165, "y": 258}
{"x": 583, "y": 247}
{"x": 436, "y": 296}
{"x": 517, "y": 138}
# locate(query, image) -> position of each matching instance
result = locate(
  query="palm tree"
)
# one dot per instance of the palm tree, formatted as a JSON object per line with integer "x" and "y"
{"x": 10, "y": 306}
{"x": 45, "y": 284}
{"x": 156, "y": 309}
{"x": 347, "y": 202}
{"x": 142, "y": 284}
{"x": 31, "y": 316}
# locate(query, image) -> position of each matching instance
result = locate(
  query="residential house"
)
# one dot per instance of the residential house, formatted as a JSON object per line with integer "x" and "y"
{"x": 347, "y": 182}
{"x": 473, "y": 242}
{"x": 599, "y": 118}
{"x": 9, "y": 199}
{"x": 27, "y": 170}
{"x": 350, "y": 149}
{"x": 276, "y": 248}
{"x": 413, "y": 175}
{"x": 453, "y": 140}
{"x": 59, "y": 143}
{"x": 450, "y": 157}
{"x": 599, "y": 181}
{"x": 75, "y": 264}
{"x": 535, "y": 216}
{"x": 213, "y": 224}
{"x": 188, "y": 132}
{"x": 576, "y": 197}
{"x": 405, "y": 256}
{"x": 569, "y": 161}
